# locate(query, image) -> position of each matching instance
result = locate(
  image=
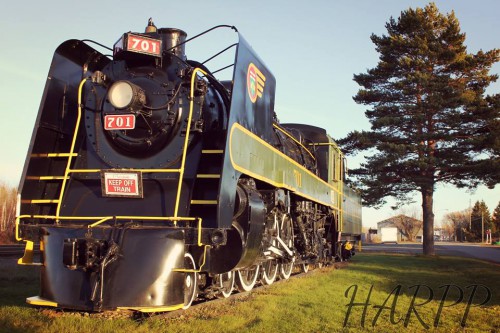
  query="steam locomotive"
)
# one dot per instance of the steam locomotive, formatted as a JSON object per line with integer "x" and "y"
{"x": 149, "y": 182}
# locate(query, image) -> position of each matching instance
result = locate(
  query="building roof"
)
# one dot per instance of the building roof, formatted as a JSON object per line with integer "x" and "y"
{"x": 392, "y": 221}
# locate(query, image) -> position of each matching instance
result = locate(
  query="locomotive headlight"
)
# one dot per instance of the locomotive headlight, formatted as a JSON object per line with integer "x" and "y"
{"x": 124, "y": 94}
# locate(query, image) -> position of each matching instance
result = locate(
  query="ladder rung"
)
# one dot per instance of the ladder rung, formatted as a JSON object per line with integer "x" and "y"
{"x": 204, "y": 202}
{"x": 212, "y": 151}
{"x": 39, "y": 201}
{"x": 208, "y": 175}
{"x": 55, "y": 155}
{"x": 45, "y": 177}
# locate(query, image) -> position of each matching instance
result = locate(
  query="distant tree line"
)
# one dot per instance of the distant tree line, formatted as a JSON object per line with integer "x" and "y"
{"x": 7, "y": 213}
{"x": 473, "y": 224}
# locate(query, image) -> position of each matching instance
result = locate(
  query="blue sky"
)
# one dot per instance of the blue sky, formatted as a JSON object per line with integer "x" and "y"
{"x": 312, "y": 47}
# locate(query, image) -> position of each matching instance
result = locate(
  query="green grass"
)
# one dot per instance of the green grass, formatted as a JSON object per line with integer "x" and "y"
{"x": 17, "y": 282}
{"x": 317, "y": 302}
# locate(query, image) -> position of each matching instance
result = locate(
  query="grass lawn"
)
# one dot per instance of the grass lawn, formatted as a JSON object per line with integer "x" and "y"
{"x": 375, "y": 293}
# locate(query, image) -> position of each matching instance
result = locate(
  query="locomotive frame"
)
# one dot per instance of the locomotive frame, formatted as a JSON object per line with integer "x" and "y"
{"x": 139, "y": 204}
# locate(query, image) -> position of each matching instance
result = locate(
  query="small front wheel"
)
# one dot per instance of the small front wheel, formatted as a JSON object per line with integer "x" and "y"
{"x": 190, "y": 280}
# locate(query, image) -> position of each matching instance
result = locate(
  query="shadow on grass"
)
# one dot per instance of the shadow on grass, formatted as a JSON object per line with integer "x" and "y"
{"x": 432, "y": 274}
{"x": 448, "y": 294}
{"x": 17, "y": 282}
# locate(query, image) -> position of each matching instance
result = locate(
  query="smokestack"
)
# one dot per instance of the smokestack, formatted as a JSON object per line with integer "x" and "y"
{"x": 172, "y": 37}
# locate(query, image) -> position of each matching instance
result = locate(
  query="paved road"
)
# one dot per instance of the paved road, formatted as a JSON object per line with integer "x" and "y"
{"x": 477, "y": 251}
{"x": 483, "y": 252}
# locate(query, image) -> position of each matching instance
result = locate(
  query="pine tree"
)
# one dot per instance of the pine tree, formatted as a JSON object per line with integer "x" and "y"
{"x": 496, "y": 222}
{"x": 480, "y": 221}
{"x": 430, "y": 121}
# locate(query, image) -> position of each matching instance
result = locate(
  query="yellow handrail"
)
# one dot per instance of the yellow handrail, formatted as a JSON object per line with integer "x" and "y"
{"x": 68, "y": 170}
{"x": 71, "y": 153}
{"x": 185, "y": 270}
{"x": 340, "y": 185}
{"x": 72, "y": 148}
{"x": 27, "y": 258}
{"x": 102, "y": 219}
{"x": 186, "y": 139}
{"x": 127, "y": 169}
{"x": 52, "y": 155}
{"x": 293, "y": 139}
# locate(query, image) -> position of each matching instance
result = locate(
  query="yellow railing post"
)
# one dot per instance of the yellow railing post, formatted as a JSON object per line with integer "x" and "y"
{"x": 73, "y": 141}
{"x": 186, "y": 139}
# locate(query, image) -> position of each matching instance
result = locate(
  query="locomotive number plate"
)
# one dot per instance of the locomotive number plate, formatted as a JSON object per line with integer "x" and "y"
{"x": 119, "y": 122}
{"x": 117, "y": 183}
{"x": 143, "y": 45}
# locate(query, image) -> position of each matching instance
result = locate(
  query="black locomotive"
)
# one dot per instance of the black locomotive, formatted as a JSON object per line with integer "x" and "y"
{"x": 149, "y": 182}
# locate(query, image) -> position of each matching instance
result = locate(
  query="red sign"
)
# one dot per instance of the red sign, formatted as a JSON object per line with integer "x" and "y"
{"x": 121, "y": 184}
{"x": 144, "y": 45}
{"x": 119, "y": 122}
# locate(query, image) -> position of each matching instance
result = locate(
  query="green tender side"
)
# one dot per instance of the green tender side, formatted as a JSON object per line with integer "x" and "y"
{"x": 261, "y": 161}
{"x": 351, "y": 212}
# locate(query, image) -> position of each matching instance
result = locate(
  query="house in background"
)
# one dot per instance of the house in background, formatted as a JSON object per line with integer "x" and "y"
{"x": 409, "y": 228}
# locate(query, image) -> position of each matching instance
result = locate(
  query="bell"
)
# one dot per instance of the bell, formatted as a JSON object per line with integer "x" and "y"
{"x": 151, "y": 27}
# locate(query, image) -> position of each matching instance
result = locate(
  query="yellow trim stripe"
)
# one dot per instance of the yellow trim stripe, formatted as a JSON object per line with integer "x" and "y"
{"x": 204, "y": 202}
{"x": 37, "y": 300}
{"x": 208, "y": 175}
{"x": 53, "y": 155}
{"x": 273, "y": 182}
{"x": 44, "y": 177}
{"x": 260, "y": 76}
{"x": 39, "y": 201}
{"x": 212, "y": 151}
{"x": 152, "y": 308}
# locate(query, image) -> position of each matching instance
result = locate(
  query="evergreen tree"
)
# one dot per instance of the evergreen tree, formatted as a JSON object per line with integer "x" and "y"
{"x": 496, "y": 222}
{"x": 480, "y": 221}
{"x": 430, "y": 121}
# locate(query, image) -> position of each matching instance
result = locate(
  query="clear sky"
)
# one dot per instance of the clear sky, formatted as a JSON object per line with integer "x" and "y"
{"x": 312, "y": 47}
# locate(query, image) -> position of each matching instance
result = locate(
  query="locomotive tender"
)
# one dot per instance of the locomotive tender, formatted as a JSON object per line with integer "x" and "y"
{"x": 149, "y": 182}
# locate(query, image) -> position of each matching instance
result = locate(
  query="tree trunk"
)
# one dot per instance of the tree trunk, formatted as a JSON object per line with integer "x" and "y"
{"x": 428, "y": 220}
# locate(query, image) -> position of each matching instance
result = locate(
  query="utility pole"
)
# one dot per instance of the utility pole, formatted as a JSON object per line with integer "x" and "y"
{"x": 470, "y": 216}
{"x": 482, "y": 226}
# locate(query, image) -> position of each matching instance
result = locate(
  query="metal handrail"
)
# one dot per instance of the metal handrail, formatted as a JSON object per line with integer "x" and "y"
{"x": 102, "y": 219}
{"x": 180, "y": 170}
{"x": 186, "y": 140}
{"x": 28, "y": 257}
{"x": 72, "y": 148}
